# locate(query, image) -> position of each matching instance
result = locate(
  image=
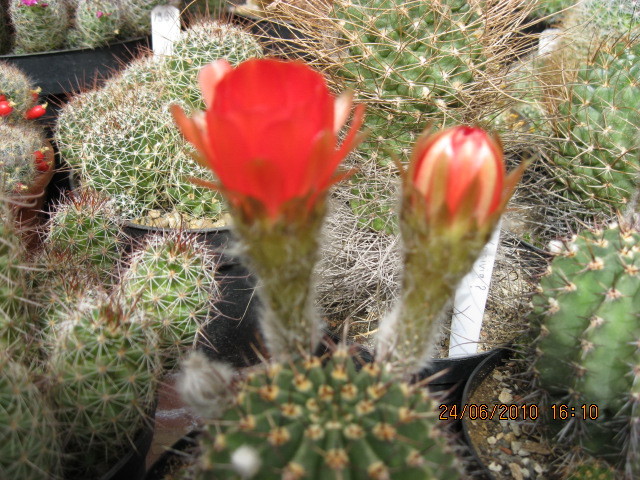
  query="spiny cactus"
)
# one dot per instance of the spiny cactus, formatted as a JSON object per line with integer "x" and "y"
{"x": 104, "y": 369}
{"x": 137, "y": 16}
{"x": 172, "y": 278}
{"x": 123, "y": 141}
{"x": 308, "y": 420}
{"x": 18, "y": 147}
{"x": 18, "y": 90}
{"x": 597, "y": 128}
{"x": 199, "y": 45}
{"x": 590, "y": 469}
{"x": 603, "y": 18}
{"x": 588, "y": 312}
{"x": 87, "y": 226}
{"x": 29, "y": 447}
{"x": 39, "y": 25}
{"x": 15, "y": 308}
{"x": 95, "y": 23}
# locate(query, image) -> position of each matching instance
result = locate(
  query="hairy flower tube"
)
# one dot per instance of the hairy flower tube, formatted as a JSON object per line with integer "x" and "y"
{"x": 454, "y": 193}
{"x": 270, "y": 136}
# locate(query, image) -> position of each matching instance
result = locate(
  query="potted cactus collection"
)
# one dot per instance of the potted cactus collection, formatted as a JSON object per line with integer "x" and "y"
{"x": 277, "y": 229}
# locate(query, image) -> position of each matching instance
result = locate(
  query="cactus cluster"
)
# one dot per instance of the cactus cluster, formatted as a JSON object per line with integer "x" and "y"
{"x": 588, "y": 313}
{"x": 122, "y": 140}
{"x": 172, "y": 278}
{"x": 315, "y": 419}
{"x": 41, "y": 26}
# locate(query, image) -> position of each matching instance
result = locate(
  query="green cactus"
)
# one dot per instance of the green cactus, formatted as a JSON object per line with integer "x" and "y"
{"x": 18, "y": 145}
{"x": 39, "y": 27}
{"x": 172, "y": 278}
{"x": 15, "y": 305}
{"x": 123, "y": 141}
{"x": 18, "y": 90}
{"x": 591, "y": 469}
{"x": 308, "y": 420}
{"x": 87, "y": 226}
{"x": 603, "y": 18}
{"x": 588, "y": 312}
{"x": 104, "y": 368}
{"x": 29, "y": 447}
{"x": 137, "y": 16}
{"x": 198, "y": 46}
{"x": 96, "y": 23}
{"x": 552, "y": 8}
{"x": 597, "y": 129}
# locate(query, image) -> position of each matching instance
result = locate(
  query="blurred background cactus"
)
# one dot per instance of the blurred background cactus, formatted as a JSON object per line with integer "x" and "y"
{"x": 39, "y": 25}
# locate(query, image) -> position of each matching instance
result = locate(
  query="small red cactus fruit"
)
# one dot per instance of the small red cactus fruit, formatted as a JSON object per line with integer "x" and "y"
{"x": 3, "y": 98}
{"x": 36, "y": 112}
{"x": 5, "y": 108}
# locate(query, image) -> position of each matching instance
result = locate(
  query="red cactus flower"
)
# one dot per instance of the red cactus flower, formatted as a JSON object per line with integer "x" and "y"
{"x": 460, "y": 173}
{"x": 269, "y": 133}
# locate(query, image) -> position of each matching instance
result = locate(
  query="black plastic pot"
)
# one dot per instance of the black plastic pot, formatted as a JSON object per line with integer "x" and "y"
{"x": 177, "y": 456}
{"x": 490, "y": 363}
{"x": 132, "y": 465}
{"x": 60, "y": 72}
{"x": 232, "y": 335}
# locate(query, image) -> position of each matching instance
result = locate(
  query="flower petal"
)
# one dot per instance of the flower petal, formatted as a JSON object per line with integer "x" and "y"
{"x": 341, "y": 110}
{"x": 209, "y": 77}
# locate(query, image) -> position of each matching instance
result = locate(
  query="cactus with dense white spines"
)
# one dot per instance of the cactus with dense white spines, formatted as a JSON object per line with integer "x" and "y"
{"x": 306, "y": 419}
{"x": 588, "y": 314}
{"x": 88, "y": 227}
{"x": 95, "y": 23}
{"x": 173, "y": 279}
{"x": 18, "y": 90}
{"x": 29, "y": 447}
{"x": 18, "y": 147}
{"x": 104, "y": 368}
{"x": 39, "y": 25}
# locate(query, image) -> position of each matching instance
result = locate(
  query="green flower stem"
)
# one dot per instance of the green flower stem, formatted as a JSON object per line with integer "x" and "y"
{"x": 283, "y": 254}
{"x": 434, "y": 264}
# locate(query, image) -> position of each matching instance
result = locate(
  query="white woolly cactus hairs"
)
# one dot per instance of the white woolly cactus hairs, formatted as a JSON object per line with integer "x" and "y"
{"x": 96, "y": 23}
{"x": 206, "y": 385}
{"x": 29, "y": 448}
{"x": 40, "y": 25}
{"x": 104, "y": 370}
{"x": 87, "y": 226}
{"x": 172, "y": 278}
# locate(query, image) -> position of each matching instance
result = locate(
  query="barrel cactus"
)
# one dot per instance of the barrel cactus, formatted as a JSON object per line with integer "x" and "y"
{"x": 315, "y": 418}
{"x": 39, "y": 25}
{"x": 588, "y": 312}
{"x": 104, "y": 369}
{"x": 172, "y": 278}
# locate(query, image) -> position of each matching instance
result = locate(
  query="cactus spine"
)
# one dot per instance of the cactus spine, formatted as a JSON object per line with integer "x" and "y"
{"x": 39, "y": 25}
{"x": 588, "y": 307}
{"x": 306, "y": 419}
{"x": 173, "y": 279}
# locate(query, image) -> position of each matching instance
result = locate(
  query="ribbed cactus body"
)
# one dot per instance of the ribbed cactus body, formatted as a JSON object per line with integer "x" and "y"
{"x": 597, "y": 126}
{"x": 96, "y": 23}
{"x": 588, "y": 309}
{"x": 87, "y": 227}
{"x": 104, "y": 367}
{"x": 309, "y": 420}
{"x": 18, "y": 90}
{"x": 172, "y": 279}
{"x": 29, "y": 448}
{"x": 39, "y": 27}
{"x": 18, "y": 145}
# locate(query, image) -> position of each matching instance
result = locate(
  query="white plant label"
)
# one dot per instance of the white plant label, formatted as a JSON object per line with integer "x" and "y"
{"x": 470, "y": 300}
{"x": 165, "y": 29}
